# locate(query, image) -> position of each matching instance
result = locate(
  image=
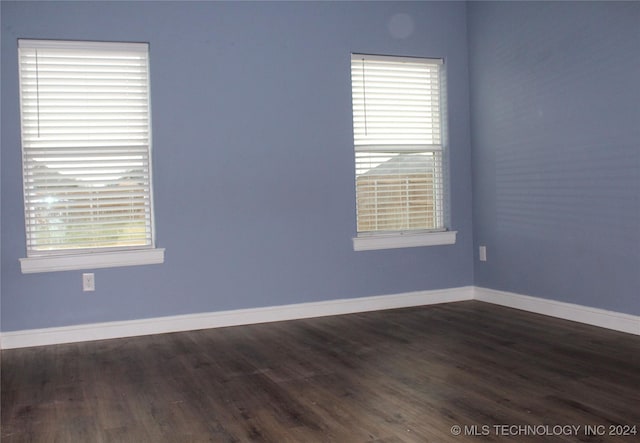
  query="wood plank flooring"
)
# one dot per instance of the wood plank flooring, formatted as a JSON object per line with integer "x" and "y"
{"x": 406, "y": 375}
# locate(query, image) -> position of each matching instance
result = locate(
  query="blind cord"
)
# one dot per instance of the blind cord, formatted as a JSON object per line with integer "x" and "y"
{"x": 37, "y": 94}
{"x": 364, "y": 97}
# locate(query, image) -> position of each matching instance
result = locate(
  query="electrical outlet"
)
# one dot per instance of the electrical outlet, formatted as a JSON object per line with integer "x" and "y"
{"x": 483, "y": 253}
{"x": 88, "y": 282}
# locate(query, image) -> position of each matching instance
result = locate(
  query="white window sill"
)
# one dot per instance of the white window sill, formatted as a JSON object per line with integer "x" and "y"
{"x": 403, "y": 240}
{"x": 94, "y": 260}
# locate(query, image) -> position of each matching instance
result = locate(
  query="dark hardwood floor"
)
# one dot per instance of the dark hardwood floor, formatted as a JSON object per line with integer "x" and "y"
{"x": 406, "y": 375}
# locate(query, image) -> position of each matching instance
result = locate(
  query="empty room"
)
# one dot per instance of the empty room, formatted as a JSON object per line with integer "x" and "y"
{"x": 320, "y": 221}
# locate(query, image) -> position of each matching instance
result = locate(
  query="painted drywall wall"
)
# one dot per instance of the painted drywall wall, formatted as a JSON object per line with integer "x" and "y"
{"x": 0, "y": 195}
{"x": 253, "y": 158}
{"x": 556, "y": 149}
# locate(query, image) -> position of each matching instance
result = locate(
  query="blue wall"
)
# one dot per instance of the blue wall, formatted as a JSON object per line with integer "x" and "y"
{"x": 555, "y": 105}
{"x": 254, "y": 167}
{"x": 253, "y": 157}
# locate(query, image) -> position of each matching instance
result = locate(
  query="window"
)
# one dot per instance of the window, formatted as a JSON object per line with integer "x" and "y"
{"x": 399, "y": 134}
{"x": 86, "y": 155}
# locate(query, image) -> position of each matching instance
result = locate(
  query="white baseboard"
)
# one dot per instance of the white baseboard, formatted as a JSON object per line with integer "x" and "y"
{"x": 616, "y": 321}
{"x": 99, "y": 331}
{"x": 190, "y": 322}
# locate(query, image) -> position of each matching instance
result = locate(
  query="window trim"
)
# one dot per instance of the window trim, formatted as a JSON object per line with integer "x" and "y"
{"x": 93, "y": 260}
{"x": 107, "y": 257}
{"x": 402, "y": 239}
{"x": 374, "y": 240}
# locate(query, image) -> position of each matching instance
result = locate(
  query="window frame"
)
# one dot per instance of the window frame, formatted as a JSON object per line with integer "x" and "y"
{"x": 381, "y": 239}
{"x": 90, "y": 257}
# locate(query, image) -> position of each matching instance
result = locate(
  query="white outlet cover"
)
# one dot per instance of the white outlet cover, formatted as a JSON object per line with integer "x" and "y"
{"x": 483, "y": 253}
{"x": 88, "y": 282}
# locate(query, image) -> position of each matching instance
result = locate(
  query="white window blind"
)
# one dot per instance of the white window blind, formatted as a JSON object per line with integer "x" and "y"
{"x": 398, "y": 132}
{"x": 86, "y": 146}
